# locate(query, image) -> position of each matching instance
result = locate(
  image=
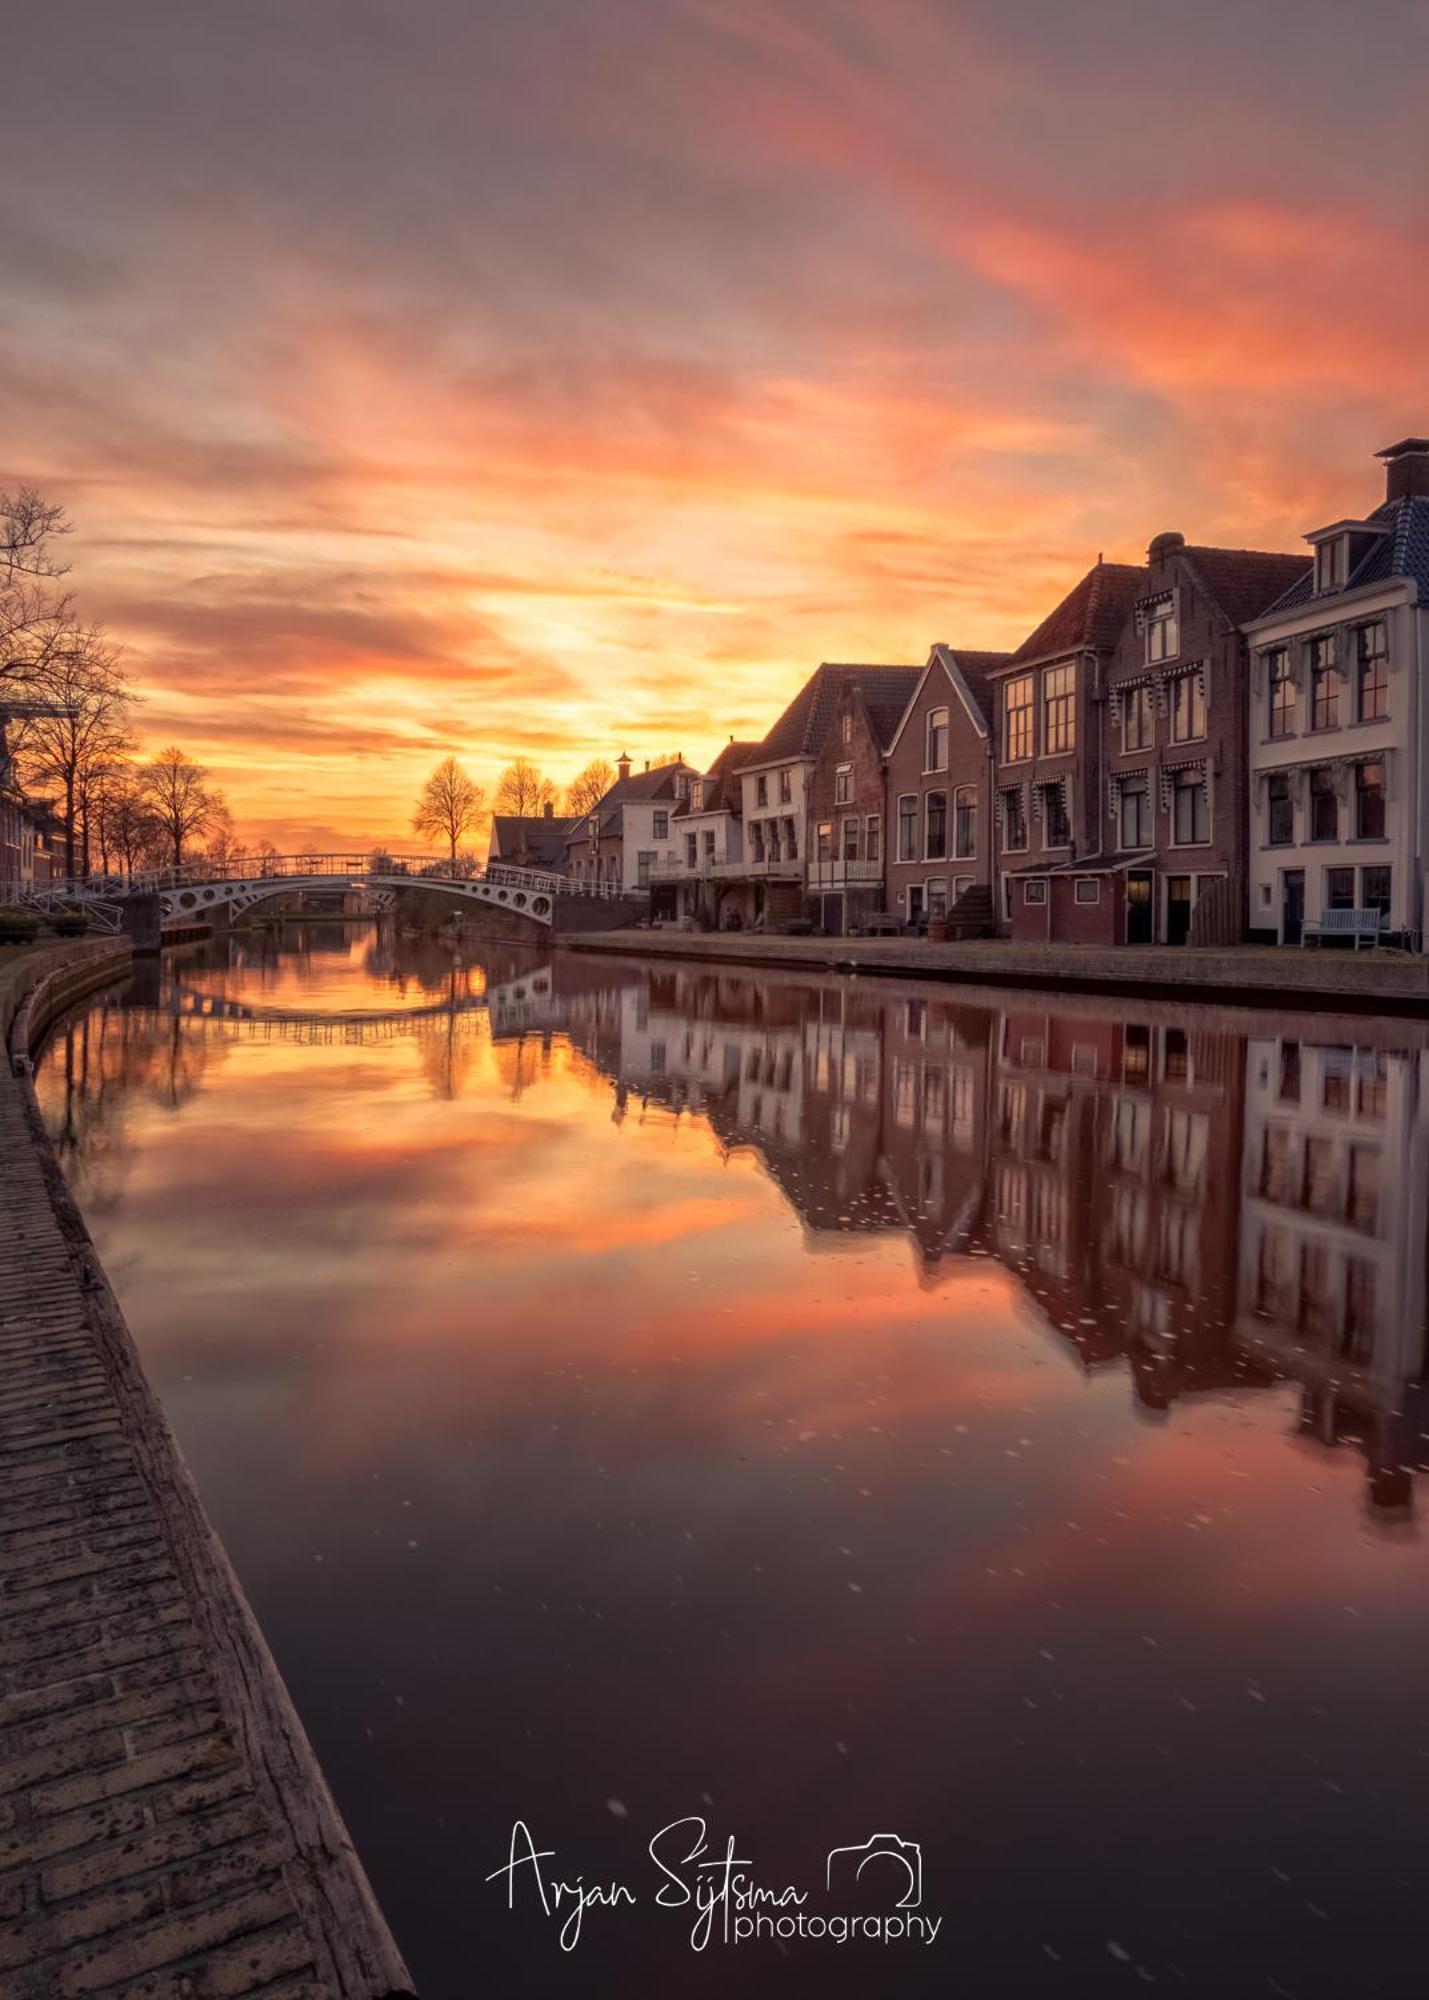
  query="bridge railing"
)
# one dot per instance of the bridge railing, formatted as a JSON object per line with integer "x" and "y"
{"x": 371, "y": 865}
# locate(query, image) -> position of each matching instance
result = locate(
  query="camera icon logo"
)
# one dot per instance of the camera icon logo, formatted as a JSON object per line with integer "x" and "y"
{"x": 897, "y": 1862}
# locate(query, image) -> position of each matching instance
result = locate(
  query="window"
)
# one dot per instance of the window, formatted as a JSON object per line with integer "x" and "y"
{"x": 697, "y": 794}
{"x": 937, "y": 899}
{"x": 1135, "y": 812}
{"x": 824, "y": 840}
{"x": 850, "y": 839}
{"x": 786, "y": 786}
{"x": 661, "y": 827}
{"x": 1374, "y": 891}
{"x": 1362, "y": 1202}
{"x": 791, "y": 840}
{"x": 771, "y": 836}
{"x": 1163, "y": 635}
{"x": 843, "y": 784}
{"x": 1324, "y": 684}
{"x": 1188, "y": 708}
{"x": 1014, "y": 819}
{"x": 692, "y": 852}
{"x": 1087, "y": 890}
{"x": 936, "y": 755}
{"x": 1017, "y": 719}
{"x": 1280, "y": 684}
{"x": 1056, "y": 827}
{"x": 761, "y": 788}
{"x": 848, "y": 726}
{"x": 1059, "y": 709}
{"x": 709, "y": 844}
{"x": 965, "y": 822}
{"x": 1332, "y": 563}
{"x": 1190, "y": 815}
{"x": 1280, "y": 810}
{"x": 1324, "y": 806}
{"x": 1034, "y": 892}
{"x": 756, "y": 839}
{"x": 1372, "y": 655}
{"x": 1339, "y": 888}
{"x": 907, "y": 827}
{"x": 873, "y": 837}
{"x": 1369, "y": 801}
{"x": 937, "y": 826}
{"x": 1138, "y": 719}
{"x": 644, "y": 861}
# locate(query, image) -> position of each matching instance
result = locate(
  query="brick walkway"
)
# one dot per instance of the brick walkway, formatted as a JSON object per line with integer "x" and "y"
{"x": 163, "y": 1830}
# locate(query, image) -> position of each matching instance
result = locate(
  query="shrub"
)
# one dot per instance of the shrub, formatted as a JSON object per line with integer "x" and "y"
{"x": 18, "y": 926}
{"x": 69, "y": 923}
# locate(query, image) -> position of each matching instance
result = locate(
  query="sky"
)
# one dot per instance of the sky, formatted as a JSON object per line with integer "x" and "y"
{"x": 448, "y": 376}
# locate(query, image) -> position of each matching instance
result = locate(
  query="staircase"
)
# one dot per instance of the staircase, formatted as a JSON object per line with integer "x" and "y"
{"x": 972, "y": 914}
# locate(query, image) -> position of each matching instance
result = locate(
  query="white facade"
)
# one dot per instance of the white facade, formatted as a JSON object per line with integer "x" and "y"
{"x": 775, "y": 803}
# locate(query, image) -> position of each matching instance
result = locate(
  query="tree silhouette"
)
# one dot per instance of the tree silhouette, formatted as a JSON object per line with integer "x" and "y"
{"x": 449, "y": 805}
{"x": 590, "y": 787}
{"x": 523, "y": 791}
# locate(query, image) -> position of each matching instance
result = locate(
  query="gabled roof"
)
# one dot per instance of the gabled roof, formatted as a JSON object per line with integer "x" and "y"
{"x": 656, "y": 784}
{"x": 1246, "y": 582}
{"x": 1403, "y": 551}
{"x": 968, "y": 672}
{"x": 721, "y": 786}
{"x": 1089, "y": 617}
{"x": 514, "y": 833}
{"x": 803, "y": 728}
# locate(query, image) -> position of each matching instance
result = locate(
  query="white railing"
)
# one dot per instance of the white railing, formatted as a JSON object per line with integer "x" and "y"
{"x": 374, "y": 865}
{"x": 836, "y": 873}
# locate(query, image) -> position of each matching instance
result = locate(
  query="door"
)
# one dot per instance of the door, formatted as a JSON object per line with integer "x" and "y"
{"x": 1292, "y": 905}
{"x": 1140, "y": 918}
{"x": 1178, "y": 909}
{"x": 915, "y": 904}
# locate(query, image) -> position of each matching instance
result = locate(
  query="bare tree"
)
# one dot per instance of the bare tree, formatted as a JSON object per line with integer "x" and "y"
{"x": 182, "y": 801}
{"x": 36, "y": 618}
{"x": 221, "y": 841}
{"x": 523, "y": 791}
{"x": 76, "y": 726}
{"x": 449, "y": 805}
{"x": 589, "y": 787}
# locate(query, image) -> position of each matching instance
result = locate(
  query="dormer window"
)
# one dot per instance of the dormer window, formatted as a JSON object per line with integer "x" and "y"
{"x": 1332, "y": 563}
{"x": 1163, "y": 629}
{"x": 681, "y": 784}
{"x": 848, "y": 726}
{"x": 697, "y": 795}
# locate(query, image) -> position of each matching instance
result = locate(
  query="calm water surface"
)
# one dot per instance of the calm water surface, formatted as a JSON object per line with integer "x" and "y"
{"x": 822, "y": 1409}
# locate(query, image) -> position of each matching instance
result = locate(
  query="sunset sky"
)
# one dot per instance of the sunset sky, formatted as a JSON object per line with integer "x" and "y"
{"x": 548, "y": 377}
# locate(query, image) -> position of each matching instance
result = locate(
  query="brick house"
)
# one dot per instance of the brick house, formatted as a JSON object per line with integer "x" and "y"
{"x": 1047, "y": 719}
{"x": 1175, "y": 735}
{"x": 845, "y": 801}
{"x": 939, "y": 808}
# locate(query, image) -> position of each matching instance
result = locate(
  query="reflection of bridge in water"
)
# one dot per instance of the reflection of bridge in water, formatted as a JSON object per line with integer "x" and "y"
{"x": 513, "y": 1008}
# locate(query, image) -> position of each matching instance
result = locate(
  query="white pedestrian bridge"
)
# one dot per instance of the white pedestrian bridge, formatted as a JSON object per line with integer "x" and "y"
{"x": 200, "y": 889}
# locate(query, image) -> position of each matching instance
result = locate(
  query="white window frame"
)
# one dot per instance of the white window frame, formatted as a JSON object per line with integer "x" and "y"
{"x": 932, "y": 764}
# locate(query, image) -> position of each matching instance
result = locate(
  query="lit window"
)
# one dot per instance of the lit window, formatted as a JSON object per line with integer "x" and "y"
{"x": 1138, "y": 719}
{"x": 1281, "y": 692}
{"x": 1324, "y": 683}
{"x": 824, "y": 836}
{"x": 1188, "y": 708}
{"x": 1373, "y": 660}
{"x": 1059, "y": 709}
{"x": 1163, "y": 634}
{"x": 1332, "y": 563}
{"x": 1017, "y": 719}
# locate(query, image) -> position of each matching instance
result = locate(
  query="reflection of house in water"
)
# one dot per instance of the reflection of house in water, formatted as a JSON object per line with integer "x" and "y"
{"x": 1333, "y": 1240}
{"x": 1214, "y": 1214}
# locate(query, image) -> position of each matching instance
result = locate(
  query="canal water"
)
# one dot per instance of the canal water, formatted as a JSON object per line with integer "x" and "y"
{"x": 955, "y": 1455}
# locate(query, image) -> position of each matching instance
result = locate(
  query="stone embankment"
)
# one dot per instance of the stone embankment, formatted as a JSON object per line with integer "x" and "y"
{"x": 1381, "y": 982}
{"x": 164, "y": 1828}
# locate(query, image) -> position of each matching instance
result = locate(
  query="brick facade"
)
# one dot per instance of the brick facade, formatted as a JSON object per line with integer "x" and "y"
{"x": 937, "y": 851}
{"x": 844, "y": 799}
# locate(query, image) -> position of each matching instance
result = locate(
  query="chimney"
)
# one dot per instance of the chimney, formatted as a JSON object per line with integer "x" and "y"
{"x": 548, "y": 811}
{"x": 647, "y": 763}
{"x": 1165, "y": 545}
{"x": 622, "y": 764}
{"x": 1406, "y": 468}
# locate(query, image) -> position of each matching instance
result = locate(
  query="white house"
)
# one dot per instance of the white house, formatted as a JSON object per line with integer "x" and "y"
{"x": 1339, "y": 724}
{"x": 620, "y": 840}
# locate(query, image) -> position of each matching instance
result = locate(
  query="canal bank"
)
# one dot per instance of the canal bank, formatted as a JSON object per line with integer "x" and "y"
{"x": 164, "y": 1826}
{"x": 1248, "y": 973}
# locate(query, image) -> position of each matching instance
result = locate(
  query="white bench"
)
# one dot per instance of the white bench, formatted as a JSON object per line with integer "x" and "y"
{"x": 1364, "y": 926}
